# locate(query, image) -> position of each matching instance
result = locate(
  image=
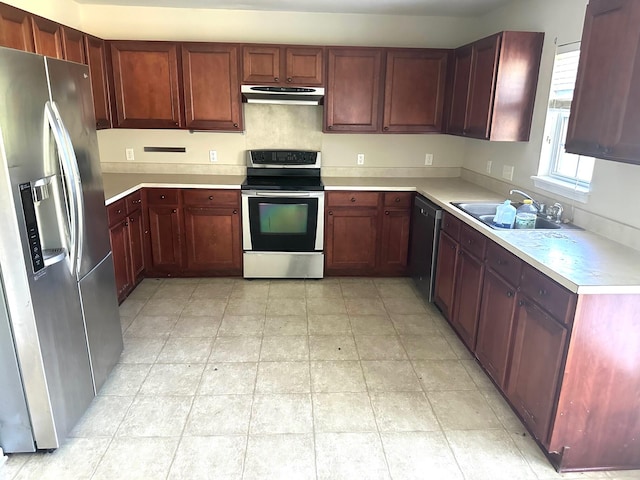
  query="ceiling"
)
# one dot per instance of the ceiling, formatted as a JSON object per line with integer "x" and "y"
{"x": 462, "y": 8}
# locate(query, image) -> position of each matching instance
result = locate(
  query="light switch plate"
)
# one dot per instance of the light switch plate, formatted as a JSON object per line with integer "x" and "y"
{"x": 507, "y": 172}
{"x": 428, "y": 159}
{"x": 489, "y": 164}
{"x": 213, "y": 156}
{"x": 361, "y": 159}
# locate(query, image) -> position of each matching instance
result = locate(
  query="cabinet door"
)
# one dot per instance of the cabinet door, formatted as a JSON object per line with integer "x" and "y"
{"x": 484, "y": 64}
{"x": 495, "y": 325}
{"x": 47, "y": 37}
{"x": 467, "y": 294}
{"x": 446, "y": 274}
{"x": 165, "y": 232}
{"x": 352, "y": 100}
{"x": 212, "y": 237}
{"x": 96, "y": 56}
{"x": 460, "y": 95}
{"x": 73, "y": 45}
{"x": 145, "y": 76}
{"x": 536, "y": 362}
{"x": 136, "y": 242}
{"x": 604, "y": 120}
{"x": 304, "y": 66}
{"x": 414, "y": 91}
{"x": 119, "y": 236}
{"x": 260, "y": 65}
{"x": 211, "y": 86}
{"x": 15, "y": 28}
{"x": 350, "y": 240}
{"x": 394, "y": 244}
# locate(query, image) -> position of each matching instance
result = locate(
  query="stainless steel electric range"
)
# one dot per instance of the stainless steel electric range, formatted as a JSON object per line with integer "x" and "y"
{"x": 283, "y": 215}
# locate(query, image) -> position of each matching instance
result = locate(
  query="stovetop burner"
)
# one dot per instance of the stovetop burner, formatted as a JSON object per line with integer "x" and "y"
{"x": 288, "y": 170}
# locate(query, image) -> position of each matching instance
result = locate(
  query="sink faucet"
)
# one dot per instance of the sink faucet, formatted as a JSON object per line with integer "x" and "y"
{"x": 525, "y": 195}
{"x": 555, "y": 212}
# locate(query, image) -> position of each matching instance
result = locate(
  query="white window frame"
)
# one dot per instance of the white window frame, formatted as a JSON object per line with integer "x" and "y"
{"x": 548, "y": 177}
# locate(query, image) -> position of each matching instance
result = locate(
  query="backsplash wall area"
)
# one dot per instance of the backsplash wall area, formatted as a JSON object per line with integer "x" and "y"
{"x": 281, "y": 126}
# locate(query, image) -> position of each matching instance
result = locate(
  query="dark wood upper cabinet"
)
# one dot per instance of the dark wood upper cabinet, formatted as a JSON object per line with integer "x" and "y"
{"x": 146, "y": 84}
{"x": 47, "y": 37}
{"x": 211, "y": 86}
{"x": 605, "y": 119}
{"x": 352, "y": 98}
{"x": 96, "y": 55}
{"x": 73, "y": 45}
{"x": 15, "y": 28}
{"x": 414, "y": 90}
{"x": 273, "y": 64}
{"x": 498, "y": 98}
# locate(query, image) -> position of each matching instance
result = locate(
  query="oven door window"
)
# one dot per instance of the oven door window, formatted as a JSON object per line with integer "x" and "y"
{"x": 283, "y": 224}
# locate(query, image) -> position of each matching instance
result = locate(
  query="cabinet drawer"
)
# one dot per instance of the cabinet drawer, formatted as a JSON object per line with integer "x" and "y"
{"x": 472, "y": 241}
{"x": 504, "y": 263}
{"x": 451, "y": 225}
{"x": 162, "y": 196}
{"x": 116, "y": 211}
{"x": 206, "y": 197}
{"x": 551, "y": 296}
{"x": 347, "y": 199}
{"x": 398, "y": 199}
{"x": 134, "y": 202}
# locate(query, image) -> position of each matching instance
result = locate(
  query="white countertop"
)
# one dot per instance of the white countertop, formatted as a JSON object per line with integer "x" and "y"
{"x": 581, "y": 261}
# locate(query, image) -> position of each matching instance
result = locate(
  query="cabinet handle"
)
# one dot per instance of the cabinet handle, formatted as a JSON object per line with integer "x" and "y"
{"x": 235, "y": 212}
{"x": 277, "y": 79}
{"x": 210, "y": 197}
{"x": 289, "y": 79}
{"x": 174, "y": 210}
{"x": 542, "y": 292}
{"x": 509, "y": 294}
{"x": 386, "y": 212}
{"x": 330, "y": 212}
{"x": 162, "y": 197}
{"x": 235, "y": 125}
{"x": 397, "y": 199}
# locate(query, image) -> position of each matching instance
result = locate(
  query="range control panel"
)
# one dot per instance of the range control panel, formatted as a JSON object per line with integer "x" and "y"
{"x": 282, "y": 158}
{"x": 35, "y": 247}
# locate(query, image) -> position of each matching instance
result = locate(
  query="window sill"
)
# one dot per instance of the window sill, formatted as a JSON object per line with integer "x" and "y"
{"x": 564, "y": 189}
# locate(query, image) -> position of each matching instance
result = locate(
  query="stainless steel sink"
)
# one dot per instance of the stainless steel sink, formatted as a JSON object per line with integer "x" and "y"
{"x": 486, "y": 211}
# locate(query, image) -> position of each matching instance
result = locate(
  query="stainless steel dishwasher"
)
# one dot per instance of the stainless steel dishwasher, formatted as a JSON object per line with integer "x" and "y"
{"x": 426, "y": 219}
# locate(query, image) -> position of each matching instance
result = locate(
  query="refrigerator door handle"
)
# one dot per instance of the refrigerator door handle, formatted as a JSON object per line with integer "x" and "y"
{"x": 69, "y": 184}
{"x": 78, "y": 199}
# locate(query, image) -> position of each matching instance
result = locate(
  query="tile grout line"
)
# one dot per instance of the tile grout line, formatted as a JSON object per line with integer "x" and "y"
{"x": 311, "y": 390}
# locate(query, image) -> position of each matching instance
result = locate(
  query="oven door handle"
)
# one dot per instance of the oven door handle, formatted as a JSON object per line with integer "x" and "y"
{"x": 283, "y": 194}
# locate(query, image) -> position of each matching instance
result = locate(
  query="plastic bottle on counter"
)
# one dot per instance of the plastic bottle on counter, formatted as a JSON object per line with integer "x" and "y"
{"x": 505, "y": 215}
{"x": 526, "y": 215}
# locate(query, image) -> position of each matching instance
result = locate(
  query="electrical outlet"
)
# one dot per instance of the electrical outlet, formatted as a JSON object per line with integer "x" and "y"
{"x": 129, "y": 153}
{"x": 213, "y": 156}
{"x": 489, "y": 163}
{"x": 361, "y": 159}
{"x": 428, "y": 159}
{"x": 507, "y": 172}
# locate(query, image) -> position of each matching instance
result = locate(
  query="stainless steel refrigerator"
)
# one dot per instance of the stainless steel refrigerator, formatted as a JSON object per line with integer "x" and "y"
{"x": 60, "y": 330}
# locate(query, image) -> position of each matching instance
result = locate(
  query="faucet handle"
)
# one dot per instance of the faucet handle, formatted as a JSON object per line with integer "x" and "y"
{"x": 557, "y": 212}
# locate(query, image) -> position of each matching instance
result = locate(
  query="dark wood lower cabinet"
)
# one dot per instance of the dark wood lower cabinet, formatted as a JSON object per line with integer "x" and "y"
{"x": 165, "y": 233}
{"x": 350, "y": 240}
{"x": 468, "y": 291}
{"x": 536, "y": 362}
{"x": 212, "y": 240}
{"x": 495, "y": 326}
{"x": 446, "y": 274}
{"x": 120, "y": 248}
{"x": 394, "y": 241}
{"x": 136, "y": 244}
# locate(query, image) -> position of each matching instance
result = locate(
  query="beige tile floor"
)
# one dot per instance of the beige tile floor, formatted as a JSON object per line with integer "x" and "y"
{"x": 332, "y": 379}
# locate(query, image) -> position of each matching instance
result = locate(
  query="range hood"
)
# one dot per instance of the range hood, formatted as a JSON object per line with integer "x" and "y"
{"x": 282, "y": 95}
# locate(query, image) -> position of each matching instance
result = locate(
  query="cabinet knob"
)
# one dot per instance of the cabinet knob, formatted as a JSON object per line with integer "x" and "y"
{"x": 386, "y": 129}
{"x": 542, "y": 292}
{"x": 500, "y": 261}
{"x": 330, "y": 212}
{"x": 119, "y": 211}
{"x": 162, "y": 197}
{"x": 353, "y": 199}
{"x": 453, "y": 247}
{"x": 521, "y": 303}
{"x": 126, "y": 224}
{"x": 131, "y": 219}
{"x": 469, "y": 241}
{"x": 329, "y": 127}
{"x": 235, "y": 125}
{"x": 386, "y": 212}
{"x": 509, "y": 294}
{"x": 289, "y": 79}
{"x": 210, "y": 197}
{"x": 235, "y": 212}
{"x": 277, "y": 79}
{"x": 174, "y": 210}
{"x": 397, "y": 199}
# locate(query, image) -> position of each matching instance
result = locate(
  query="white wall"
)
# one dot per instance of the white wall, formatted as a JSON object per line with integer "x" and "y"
{"x": 613, "y": 183}
{"x": 66, "y": 12}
